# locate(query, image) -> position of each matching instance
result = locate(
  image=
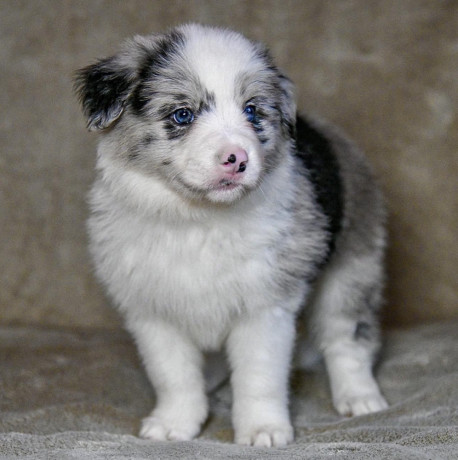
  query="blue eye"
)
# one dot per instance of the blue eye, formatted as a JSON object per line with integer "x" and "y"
{"x": 250, "y": 113}
{"x": 183, "y": 116}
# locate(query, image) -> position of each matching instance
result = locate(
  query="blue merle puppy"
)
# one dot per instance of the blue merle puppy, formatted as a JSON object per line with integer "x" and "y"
{"x": 217, "y": 215}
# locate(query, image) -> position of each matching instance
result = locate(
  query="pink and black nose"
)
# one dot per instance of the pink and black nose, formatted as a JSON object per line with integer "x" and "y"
{"x": 234, "y": 161}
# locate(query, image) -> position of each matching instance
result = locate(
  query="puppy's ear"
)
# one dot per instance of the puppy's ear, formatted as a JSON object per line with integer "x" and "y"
{"x": 288, "y": 105}
{"x": 103, "y": 89}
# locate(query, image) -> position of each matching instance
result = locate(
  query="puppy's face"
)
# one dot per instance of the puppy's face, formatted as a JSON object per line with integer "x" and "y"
{"x": 203, "y": 110}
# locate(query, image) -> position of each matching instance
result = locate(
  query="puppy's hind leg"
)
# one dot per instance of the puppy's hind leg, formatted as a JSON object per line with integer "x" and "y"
{"x": 346, "y": 328}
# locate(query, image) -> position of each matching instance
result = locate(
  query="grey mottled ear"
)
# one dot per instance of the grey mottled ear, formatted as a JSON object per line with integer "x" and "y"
{"x": 103, "y": 89}
{"x": 288, "y": 105}
{"x": 286, "y": 88}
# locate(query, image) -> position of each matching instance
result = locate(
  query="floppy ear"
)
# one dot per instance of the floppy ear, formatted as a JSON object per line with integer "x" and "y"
{"x": 288, "y": 105}
{"x": 103, "y": 89}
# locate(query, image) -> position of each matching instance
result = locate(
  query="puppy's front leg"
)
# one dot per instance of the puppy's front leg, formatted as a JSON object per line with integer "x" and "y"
{"x": 259, "y": 350}
{"x": 174, "y": 366}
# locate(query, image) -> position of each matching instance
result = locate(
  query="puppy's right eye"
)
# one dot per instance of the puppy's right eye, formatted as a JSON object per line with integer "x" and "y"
{"x": 183, "y": 116}
{"x": 250, "y": 113}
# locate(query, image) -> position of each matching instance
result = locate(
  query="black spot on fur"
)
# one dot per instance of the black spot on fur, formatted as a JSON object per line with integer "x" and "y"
{"x": 288, "y": 123}
{"x": 147, "y": 140}
{"x": 257, "y": 125}
{"x": 259, "y": 130}
{"x": 103, "y": 89}
{"x": 262, "y": 53}
{"x": 159, "y": 57}
{"x": 322, "y": 168}
{"x": 174, "y": 131}
{"x": 166, "y": 110}
{"x": 363, "y": 330}
{"x": 207, "y": 103}
{"x": 134, "y": 154}
{"x": 155, "y": 60}
{"x": 136, "y": 151}
{"x": 289, "y": 127}
{"x": 261, "y": 117}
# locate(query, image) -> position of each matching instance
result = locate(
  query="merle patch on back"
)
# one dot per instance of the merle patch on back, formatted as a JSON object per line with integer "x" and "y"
{"x": 322, "y": 168}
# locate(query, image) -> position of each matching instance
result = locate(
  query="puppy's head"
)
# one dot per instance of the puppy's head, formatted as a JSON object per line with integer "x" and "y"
{"x": 203, "y": 110}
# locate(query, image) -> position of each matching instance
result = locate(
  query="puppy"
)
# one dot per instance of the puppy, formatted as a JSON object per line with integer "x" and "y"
{"x": 217, "y": 213}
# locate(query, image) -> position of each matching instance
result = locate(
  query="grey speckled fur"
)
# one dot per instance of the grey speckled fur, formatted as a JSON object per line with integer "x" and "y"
{"x": 210, "y": 231}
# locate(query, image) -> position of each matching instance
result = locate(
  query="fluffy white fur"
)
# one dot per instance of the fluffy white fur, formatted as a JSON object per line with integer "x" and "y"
{"x": 193, "y": 266}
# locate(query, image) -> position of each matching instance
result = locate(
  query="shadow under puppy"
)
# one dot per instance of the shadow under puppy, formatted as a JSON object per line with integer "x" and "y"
{"x": 216, "y": 214}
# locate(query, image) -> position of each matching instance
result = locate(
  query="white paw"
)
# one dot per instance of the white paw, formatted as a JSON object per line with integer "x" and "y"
{"x": 265, "y": 436}
{"x": 360, "y": 404}
{"x": 156, "y": 429}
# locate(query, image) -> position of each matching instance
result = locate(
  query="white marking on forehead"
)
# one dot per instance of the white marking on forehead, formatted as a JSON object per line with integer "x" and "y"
{"x": 218, "y": 57}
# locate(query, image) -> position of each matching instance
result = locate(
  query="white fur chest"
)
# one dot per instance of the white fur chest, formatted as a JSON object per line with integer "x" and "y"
{"x": 200, "y": 275}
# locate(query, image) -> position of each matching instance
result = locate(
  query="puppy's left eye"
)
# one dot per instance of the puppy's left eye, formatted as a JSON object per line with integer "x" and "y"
{"x": 250, "y": 113}
{"x": 183, "y": 116}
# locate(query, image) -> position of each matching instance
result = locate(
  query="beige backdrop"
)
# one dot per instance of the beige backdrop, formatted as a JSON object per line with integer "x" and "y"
{"x": 386, "y": 71}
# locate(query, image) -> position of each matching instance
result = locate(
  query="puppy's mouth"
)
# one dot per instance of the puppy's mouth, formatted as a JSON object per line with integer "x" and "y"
{"x": 221, "y": 190}
{"x": 226, "y": 184}
{"x": 226, "y": 191}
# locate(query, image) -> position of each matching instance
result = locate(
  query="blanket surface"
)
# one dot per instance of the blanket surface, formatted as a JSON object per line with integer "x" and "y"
{"x": 81, "y": 395}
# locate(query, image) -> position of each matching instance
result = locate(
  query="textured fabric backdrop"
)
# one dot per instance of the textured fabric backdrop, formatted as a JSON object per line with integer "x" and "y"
{"x": 384, "y": 71}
